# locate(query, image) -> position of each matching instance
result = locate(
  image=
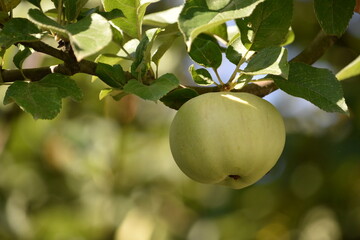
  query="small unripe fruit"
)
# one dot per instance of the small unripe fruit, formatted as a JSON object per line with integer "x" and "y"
{"x": 226, "y": 138}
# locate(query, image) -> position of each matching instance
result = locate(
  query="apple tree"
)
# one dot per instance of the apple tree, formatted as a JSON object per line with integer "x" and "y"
{"x": 259, "y": 35}
{"x": 122, "y": 46}
{"x": 251, "y": 35}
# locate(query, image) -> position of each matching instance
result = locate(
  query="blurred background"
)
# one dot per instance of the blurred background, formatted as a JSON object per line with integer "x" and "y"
{"x": 102, "y": 170}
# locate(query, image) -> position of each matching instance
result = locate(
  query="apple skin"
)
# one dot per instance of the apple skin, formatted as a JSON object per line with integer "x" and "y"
{"x": 226, "y": 138}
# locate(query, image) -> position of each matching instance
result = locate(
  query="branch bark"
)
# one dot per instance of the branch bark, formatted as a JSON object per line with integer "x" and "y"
{"x": 320, "y": 44}
{"x": 313, "y": 52}
{"x": 47, "y": 49}
{"x": 35, "y": 74}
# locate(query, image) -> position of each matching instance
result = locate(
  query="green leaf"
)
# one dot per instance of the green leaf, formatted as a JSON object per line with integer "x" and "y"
{"x": 235, "y": 50}
{"x": 108, "y": 58}
{"x": 351, "y": 70}
{"x": 290, "y": 37}
{"x": 105, "y": 92}
{"x": 80, "y": 5}
{"x": 70, "y": 9}
{"x": 113, "y": 76}
{"x": 218, "y": 30}
{"x": 165, "y": 39}
{"x": 201, "y": 76}
{"x": 130, "y": 47}
{"x": 73, "y": 8}
{"x": 176, "y": 98}
{"x": 163, "y": 18}
{"x": 242, "y": 80}
{"x": 117, "y": 36}
{"x": 217, "y": 4}
{"x": 156, "y": 90}
{"x": 334, "y": 15}
{"x": 271, "y": 60}
{"x": 116, "y": 94}
{"x": 40, "y": 101}
{"x": 143, "y": 53}
{"x": 18, "y": 30}
{"x": 268, "y": 25}
{"x": 196, "y": 17}
{"x": 319, "y": 86}
{"x": 21, "y": 55}
{"x": 113, "y": 14}
{"x": 4, "y": 17}
{"x": 206, "y": 52}
{"x": 66, "y": 86}
{"x": 8, "y": 5}
{"x": 89, "y": 35}
{"x": 39, "y": 18}
{"x": 35, "y": 3}
{"x": 134, "y": 11}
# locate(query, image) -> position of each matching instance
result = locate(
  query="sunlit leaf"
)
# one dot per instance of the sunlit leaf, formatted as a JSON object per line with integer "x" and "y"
{"x": 165, "y": 40}
{"x": 235, "y": 50}
{"x": 163, "y": 18}
{"x": 196, "y": 17}
{"x": 43, "y": 21}
{"x": 133, "y": 10}
{"x": 143, "y": 53}
{"x": 351, "y": 70}
{"x": 201, "y": 76}
{"x": 271, "y": 60}
{"x": 89, "y": 35}
{"x": 105, "y": 92}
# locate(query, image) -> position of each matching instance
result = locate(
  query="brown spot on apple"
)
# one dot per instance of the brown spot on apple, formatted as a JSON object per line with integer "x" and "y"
{"x": 235, "y": 177}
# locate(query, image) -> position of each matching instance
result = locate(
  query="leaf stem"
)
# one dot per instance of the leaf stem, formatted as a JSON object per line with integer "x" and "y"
{"x": 127, "y": 53}
{"x": 59, "y": 12}
{"x": 237, "y": 68}
{"x": 218, "y": 76}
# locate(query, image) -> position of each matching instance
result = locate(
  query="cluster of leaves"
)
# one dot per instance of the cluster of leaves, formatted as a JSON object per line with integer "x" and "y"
{"x": 255, "y": 44}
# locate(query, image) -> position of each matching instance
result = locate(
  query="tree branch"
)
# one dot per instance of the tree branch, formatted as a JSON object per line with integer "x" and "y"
{"x": 313, "y": 52}
{"x": 317, "y": 48}
{"x": 320, "y": 44}
{"x": 35, "y": 74}
{"x": 47, "y": 49}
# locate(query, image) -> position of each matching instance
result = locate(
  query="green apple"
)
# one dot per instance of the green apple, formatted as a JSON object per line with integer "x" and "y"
{"x": 227, "y": 138}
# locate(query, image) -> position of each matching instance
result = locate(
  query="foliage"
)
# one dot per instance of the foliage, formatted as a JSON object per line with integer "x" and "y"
{"x": 262, "y": 33}
{"x": 103, "y": 169}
